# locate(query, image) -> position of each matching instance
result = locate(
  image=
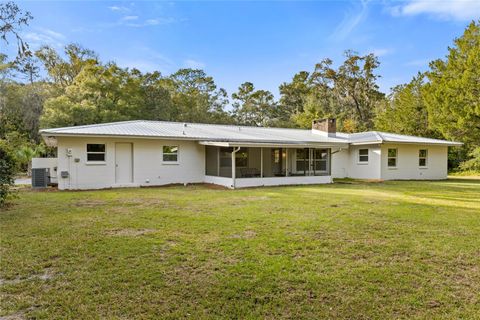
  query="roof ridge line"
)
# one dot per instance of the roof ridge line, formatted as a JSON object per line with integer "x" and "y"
{"x": 92, "y": 125}
{"x": 222, "y": 125}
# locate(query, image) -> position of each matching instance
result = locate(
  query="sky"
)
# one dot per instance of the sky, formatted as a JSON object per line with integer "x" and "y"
{"x": 262, "y": 42}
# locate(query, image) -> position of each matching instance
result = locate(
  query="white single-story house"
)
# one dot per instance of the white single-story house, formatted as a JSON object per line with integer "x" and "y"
{"x": 153, "y": 153}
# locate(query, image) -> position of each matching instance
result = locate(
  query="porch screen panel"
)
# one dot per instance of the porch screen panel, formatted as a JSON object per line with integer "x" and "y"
{"x": 225, "y": 162}
{"x": 302, "y": 160}
{"x": 211, "y": 161}
{"x": 320, "y": 160}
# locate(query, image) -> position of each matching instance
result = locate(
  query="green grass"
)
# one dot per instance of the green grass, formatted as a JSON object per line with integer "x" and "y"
{"x": 351, "y": 250}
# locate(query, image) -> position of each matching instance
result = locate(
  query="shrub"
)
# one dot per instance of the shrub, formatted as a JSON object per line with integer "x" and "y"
{"x": 7, "y": 172}
{"x": 472, "y": 164}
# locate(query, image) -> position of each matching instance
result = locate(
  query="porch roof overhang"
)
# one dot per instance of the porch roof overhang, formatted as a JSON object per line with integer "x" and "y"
{"x": 273, "y": 144}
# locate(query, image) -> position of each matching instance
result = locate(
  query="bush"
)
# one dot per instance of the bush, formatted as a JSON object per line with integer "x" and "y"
{"x": 7, "y": 172}
{"x": 472, "y": 164}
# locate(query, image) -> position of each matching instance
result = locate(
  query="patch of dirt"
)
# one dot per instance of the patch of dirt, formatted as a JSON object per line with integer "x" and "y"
{"x": 46, "y": 275}
{"x": 129, "y": 232}
{"x": 89, "y": 203}
{"x": 143, "y": 202}
{"x": 247, "y": 234}
{"x": 214, "y": 186}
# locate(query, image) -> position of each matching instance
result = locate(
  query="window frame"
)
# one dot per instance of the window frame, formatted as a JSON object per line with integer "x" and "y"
{"x": 395, "y": 157}
{"x": 170, "y": 153}
{"x": 359, "y": 158}
{"x": 420, "y": 158}
{"x": 104, "y": 152}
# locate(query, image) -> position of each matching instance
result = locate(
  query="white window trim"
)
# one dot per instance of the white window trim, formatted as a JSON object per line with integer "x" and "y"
{"x": 426, "y": 159}
{"x": 178, "y": 155}
{"x": 396, "y": 159}
{"x": 95, "y": 162}
{"x": 368, "y": 156}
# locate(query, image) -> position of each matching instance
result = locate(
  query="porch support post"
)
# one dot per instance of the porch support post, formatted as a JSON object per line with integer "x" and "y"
{"x": 235, "y": 150}
{"x": 286, "y": 162}
{"x": 261, "y": 162}
{"x": 218, "y": 161}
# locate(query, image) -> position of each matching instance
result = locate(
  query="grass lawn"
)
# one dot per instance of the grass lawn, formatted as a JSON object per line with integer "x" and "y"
{"x": 351, "y": 250}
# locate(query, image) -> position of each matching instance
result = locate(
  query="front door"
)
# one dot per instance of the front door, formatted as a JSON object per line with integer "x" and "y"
{"x": 123, "y": 163}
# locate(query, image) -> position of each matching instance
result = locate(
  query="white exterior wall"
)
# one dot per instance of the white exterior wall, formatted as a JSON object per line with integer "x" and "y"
{"x": 369, "y": 170}
{"x": 407, "y": 162}
{"x": 340, "y": 162}
{"x": 150, "y": 170}
{"x": 147, "y": 163}
{"x": 281, "y": 181}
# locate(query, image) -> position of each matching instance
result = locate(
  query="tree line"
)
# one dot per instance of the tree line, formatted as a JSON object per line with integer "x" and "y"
{"x": 48, "y": 88}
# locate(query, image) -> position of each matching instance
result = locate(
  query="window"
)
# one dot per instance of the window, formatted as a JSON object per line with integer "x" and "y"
{"x": 170, "y": 153}
{"x": 392, "y": 158}
{"x": 363, "y": 155}
{"x": 95, "y": 152}
{"x": 422, "y": 157}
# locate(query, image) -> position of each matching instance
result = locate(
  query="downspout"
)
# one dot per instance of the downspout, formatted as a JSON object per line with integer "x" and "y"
{"x": 235, "y": 150}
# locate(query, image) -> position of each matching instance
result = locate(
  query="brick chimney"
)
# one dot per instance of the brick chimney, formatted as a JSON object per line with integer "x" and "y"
{"x": 325, "y": 126}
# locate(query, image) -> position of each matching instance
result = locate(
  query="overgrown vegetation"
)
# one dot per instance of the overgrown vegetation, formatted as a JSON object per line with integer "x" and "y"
{"x": 7, "y": 172}
{"x": 355, "y": 250}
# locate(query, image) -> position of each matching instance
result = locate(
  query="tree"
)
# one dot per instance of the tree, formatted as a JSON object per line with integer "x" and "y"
{"x": 20, "y": 108}
{"x": 195, "y": 97}
{"x": 12, "y": 18}
{"x": 405, "y": 112}
{"x": 349, "y": 93}
{"x": 63, "y": 72}
{"x": 106, "y": 93}
{"x": 7, "y": 172}
{"x": 293, "y": 95}
{"x": 452, "y": 95}
{"x": 354, "y": 88}
{"x": 474, "y": 162}
{"x": 26, "y": 153}
{"x": 254, "y": 107}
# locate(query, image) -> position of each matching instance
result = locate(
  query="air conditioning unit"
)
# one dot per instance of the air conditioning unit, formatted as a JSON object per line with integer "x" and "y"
{"x": 40, "y": 177}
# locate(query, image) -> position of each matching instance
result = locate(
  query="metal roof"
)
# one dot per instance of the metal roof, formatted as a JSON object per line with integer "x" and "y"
{"x": 370, "y": 137}
{"x": 231, "y": 133}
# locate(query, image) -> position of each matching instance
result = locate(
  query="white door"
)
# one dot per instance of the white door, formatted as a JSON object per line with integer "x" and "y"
{"x": 123, "y": 163}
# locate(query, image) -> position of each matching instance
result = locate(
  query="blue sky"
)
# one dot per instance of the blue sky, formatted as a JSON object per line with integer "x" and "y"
{"x": 262, "y": 42}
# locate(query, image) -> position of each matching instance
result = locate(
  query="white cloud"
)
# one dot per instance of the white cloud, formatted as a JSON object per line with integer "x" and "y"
{"x": 150, "y": 60}
{"x": 461, "y": 10}
{"x": 351, "y": 20}
{"x": 129, "y": 18}
{"x": 380, "y": 52}
{"x": 418, "y": 63}
{"x": 43, "y": 36}
{"x": 194, "y": 64}
{"x": 119, "y": 9}
{"x": 152, "y": 22}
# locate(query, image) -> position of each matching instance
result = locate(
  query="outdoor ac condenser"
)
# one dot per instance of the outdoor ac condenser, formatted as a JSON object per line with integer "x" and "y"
{"x": 40, "y": 177}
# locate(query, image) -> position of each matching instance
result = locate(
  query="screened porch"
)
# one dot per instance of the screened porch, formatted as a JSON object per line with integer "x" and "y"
{"x": 256, "y": 166}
